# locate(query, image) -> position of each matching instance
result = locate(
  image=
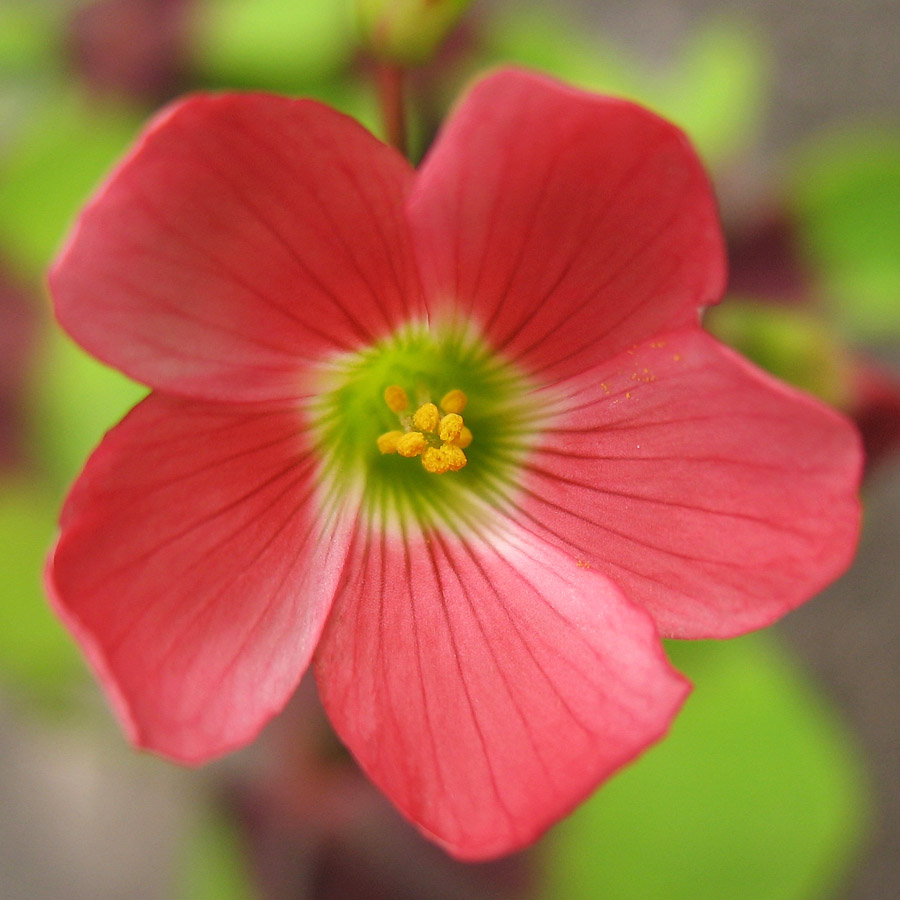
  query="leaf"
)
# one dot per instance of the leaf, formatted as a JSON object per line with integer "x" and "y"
{"x": 846, "y": 198}
{"x": 37, "y": 656}
{"x": 75, "y": 401}
{"x": 552, "y": 45}
{"x": 755, "y": 795}
{"x": 214, "y": 865}
{"x": 51, "y": 168}
{"x": 715, "y": 90}
{"x": 271, "y": 43}
{"x": 303, "y": 47}
{"x": 27, "y": 37}
{"x": 790, "y": 343}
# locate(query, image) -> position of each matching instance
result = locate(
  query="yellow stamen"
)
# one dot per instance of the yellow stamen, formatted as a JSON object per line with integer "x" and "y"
{"x": 396, "y": 398}
{"x": 426, "y": 417}
{"x": 411, "y": 444}
{"x": 450, "y": 427}
{"x": 456, "y": 459}
{"x": 454, "y": 401}
{"x": 434, "y": 460}
{"x": 438, "y": 439}
{"x": 387, "y": 442}
{"x": 464, "y": 439}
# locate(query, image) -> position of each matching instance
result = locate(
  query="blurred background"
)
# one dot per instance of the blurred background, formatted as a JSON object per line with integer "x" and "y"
{"x": 779, "y": 781}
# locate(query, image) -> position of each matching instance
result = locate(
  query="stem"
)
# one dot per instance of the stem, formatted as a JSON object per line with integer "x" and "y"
{"x": 390, "y": 80}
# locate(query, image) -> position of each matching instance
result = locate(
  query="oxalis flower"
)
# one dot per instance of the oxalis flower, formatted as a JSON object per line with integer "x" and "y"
{"x": 579, "y": 469}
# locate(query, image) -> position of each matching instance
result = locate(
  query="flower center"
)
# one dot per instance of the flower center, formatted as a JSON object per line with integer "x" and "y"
{"x": 388, "y": 418}
{"x": 438, "y": 440}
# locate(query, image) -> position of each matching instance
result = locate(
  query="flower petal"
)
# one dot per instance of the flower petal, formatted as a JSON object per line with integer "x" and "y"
{"x": 488, "y": 687}
{"x": 196, "y": 566}
{"x": 569, "y": 225}
{"x": 711, "y": 494}
{"x": 243, "y": 233}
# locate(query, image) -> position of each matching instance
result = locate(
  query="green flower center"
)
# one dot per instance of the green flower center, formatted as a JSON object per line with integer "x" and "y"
{"x": 428, "y": 425}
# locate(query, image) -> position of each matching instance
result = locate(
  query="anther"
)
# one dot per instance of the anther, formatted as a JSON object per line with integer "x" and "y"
{"x": 456, "y": 459}
{"x": 396, "y": 398}
{"x": 454, "y": 401}
{"x": 426, "y": 417}
{"x": 450, "y": 427}
{"x": 387, "y": 442}
{"x": 434, "y": 460}
{"x": 436, "y": 437}
{"x": 464, "y": 439}
{"x": 411, "y": 444}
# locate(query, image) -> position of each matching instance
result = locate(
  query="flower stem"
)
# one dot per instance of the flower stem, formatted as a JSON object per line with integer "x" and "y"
{"x": 390, "y": 80}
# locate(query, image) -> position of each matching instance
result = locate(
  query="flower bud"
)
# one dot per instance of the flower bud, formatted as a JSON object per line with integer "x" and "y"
{"x": 407, "y": 32}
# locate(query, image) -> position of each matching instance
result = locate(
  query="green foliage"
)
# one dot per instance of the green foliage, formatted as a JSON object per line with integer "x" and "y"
{"x": 715, "y": 90}
{"x": 50, "y": 170}
{"x": 846, "y": 197}
{"x": 549, "y": 44}
{"x": 282, "y": 45}
{"x": 27, "y": 37}
{"x": 75, "y": 400}
{"x": 295, "y": 47}
{"x": 214, "y": 866}
{"x": 755, "y": 794}
{"x": 790, "y": 343}
{"x": 37, "y": 657}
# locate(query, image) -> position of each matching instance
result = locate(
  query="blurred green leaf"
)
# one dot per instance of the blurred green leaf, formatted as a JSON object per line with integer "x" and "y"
{"x": 52, "y": 167}
{"x": 550, "y": 44}
{"x": 294, "y": 48}
{"x": 214, "y": 866}
{"x": 715, "y": 90}
{"x": 36, "y": 654}
{"x": 281, "y": 45}
{"x": 353, "y": 97}
{"x": 75, "y": 400}
{"x": 28, "y": 37}
{"x": 846, "y": 196}
{"x": 790, "y": 343}
{"x": 755, "y": 795}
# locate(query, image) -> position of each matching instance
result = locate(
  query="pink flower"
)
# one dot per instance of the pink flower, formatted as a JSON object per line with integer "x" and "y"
{"x": 485, "y": 640}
